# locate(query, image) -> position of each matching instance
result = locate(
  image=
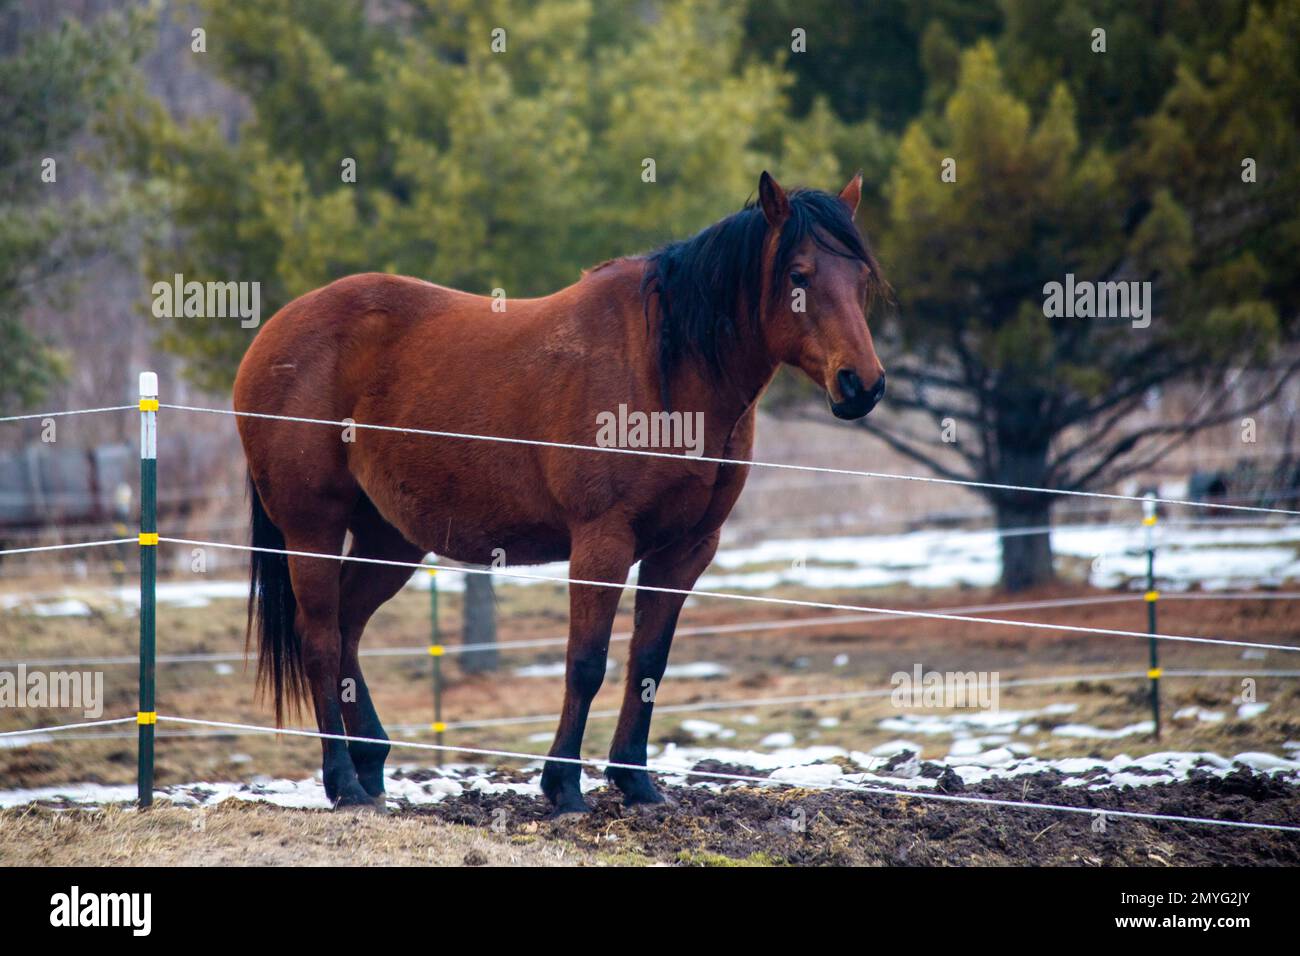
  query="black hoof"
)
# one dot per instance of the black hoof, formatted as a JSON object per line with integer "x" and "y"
{"x": 372, "y": 784}
{"x": 647, "y": 801}
{"x": 637, "y": 787}
{"x": 354, "y": 796}
{"x": 656, "y": 811}
{"x": 561, "y": 786}
{"x": 570, "y": 808}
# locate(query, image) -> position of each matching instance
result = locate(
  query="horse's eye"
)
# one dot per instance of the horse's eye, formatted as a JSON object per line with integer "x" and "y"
{"x": 798, "y": 280}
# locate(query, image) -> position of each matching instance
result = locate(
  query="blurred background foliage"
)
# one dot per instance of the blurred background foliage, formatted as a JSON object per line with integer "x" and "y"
{"x": 53, "y": 85}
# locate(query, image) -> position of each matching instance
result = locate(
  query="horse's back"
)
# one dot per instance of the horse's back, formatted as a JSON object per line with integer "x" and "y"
{"x": 320, "y": 330}
{"x": 391, "y": 350}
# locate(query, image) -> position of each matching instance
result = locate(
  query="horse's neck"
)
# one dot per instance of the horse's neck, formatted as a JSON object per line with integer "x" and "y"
{"x": 726, "y": 404}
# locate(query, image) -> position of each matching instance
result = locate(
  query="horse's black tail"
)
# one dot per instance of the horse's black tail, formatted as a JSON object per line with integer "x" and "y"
{"x": 271, "y": 610}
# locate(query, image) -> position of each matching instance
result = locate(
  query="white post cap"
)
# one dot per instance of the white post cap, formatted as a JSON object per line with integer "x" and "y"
{"x": 148, "y": 384}
{"x": 1149, "y": 505}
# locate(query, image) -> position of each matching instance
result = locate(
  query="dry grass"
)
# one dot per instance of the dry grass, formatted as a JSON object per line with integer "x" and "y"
{"x": 233, "y": 833}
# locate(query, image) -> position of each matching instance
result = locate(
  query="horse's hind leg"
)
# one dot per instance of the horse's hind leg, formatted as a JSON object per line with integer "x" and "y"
{"x": 321, "y": 652}
{"x": 364, "y": 587}
{"x": 316, "y": 589}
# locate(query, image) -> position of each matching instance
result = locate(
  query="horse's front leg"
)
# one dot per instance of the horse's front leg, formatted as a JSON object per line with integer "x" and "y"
{"x": 595, "y": 555}
{"x": 652, "y": 637}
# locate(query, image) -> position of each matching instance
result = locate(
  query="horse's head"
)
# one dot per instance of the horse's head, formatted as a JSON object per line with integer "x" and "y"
{"x": 819, "y": 277}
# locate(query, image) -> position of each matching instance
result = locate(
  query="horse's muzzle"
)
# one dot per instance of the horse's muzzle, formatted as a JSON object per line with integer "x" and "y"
{"x": 857, "y": 399}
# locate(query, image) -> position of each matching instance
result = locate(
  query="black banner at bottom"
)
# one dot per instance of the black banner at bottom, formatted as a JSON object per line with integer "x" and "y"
{"x": 268, "y": 906}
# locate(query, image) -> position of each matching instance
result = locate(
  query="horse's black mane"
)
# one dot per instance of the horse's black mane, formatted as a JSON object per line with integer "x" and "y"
{"x": 702, "y": 283}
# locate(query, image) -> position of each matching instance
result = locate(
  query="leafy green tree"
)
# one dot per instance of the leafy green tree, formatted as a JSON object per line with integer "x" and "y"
{"x": 1045, "y": 400}
{"x": 55, "y": 84}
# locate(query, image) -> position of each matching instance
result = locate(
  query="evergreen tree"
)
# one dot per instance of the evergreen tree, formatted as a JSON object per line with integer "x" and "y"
{"x": 1041, "y": 397}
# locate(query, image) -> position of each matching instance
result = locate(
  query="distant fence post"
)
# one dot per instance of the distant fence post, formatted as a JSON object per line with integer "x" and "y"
{"x": 436, "y": 651}
{"x": 1152, "y": 596}
{"x": 147, "y": 716}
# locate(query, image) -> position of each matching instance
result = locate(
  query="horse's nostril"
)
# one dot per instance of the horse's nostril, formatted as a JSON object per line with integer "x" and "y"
{"x": 878, "y": 390}
{"x": 850, "y": 384}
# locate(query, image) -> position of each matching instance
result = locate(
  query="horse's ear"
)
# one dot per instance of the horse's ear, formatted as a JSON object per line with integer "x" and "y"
{"x": 776, "y": 207}
{"x": 851, "y": 194}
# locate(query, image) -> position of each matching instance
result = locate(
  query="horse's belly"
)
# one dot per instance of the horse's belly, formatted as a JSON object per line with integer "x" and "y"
{"x": 475, "y": 516}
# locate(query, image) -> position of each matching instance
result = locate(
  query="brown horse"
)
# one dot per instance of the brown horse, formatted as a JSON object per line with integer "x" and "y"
{"x": 698, "y": 326}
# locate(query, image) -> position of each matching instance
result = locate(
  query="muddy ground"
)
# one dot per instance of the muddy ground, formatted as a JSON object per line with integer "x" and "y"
{"x": 823, "y": 827}
{"x": 739, "y": 826}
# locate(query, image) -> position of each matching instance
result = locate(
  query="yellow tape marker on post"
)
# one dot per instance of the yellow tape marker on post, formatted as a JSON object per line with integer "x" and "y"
{"x": 1155, "y": 673}
{"x": 1149, "y": 521}
{"x": 436, "y": 650}
{"x": 438, "y": 727}
{"x": 148, "y": 404}
{"x": 148, "y": 538}
{"x": 1152, "y": 596}
{"x": 146, "y": 717}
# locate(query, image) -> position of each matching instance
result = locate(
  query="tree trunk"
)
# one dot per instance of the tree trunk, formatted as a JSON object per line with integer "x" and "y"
{"x": 480, "y": 624}
{"x": 1026, "y": 558}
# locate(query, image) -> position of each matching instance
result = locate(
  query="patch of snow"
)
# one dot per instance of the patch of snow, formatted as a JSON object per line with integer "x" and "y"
{"x": 65, "y": 608}
{"x": 696, "y": 670}
{"x": 1088, "y": 732}
{"x": 705, "y": 728}
{"x": 1267, "y": 762}
{"x": 1052, "y": 710}
{"x": 822, "y": 773}
{"x": 1200, "y": 714}
{"x": 88, "y": 793}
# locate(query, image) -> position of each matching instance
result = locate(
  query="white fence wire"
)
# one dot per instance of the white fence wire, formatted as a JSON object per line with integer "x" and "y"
{"x": 753, "y": 598}
{"x": 681, "y": 457}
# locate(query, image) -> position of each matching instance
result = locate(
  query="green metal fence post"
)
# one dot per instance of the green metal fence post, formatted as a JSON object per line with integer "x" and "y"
{"x": 1152, "y": 596}
{"x": 147, "y": 716}
{"x": 436, "y": 651}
